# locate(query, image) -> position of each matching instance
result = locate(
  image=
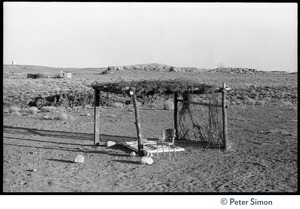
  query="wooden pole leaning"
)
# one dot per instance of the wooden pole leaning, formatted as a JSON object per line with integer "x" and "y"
{"x": 137, "y": 123}
{"x": 176, "y": 115}
{"x": 96, "y": 117}
{"x": 224, "y": 117}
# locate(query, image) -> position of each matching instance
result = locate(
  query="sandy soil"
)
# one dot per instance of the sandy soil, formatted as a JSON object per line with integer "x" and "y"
{"x": 39, "y": 154}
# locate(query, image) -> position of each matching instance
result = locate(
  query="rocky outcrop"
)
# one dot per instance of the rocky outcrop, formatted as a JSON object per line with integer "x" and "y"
{"x": 142, "y": 67}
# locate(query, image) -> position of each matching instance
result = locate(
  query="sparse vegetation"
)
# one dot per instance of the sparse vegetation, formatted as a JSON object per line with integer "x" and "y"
{"x": 33, "y": 110}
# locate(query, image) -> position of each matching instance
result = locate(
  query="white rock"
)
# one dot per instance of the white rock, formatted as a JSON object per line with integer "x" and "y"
{"x": 88, "y": 107}
{"x": 168, "y": 105}
{"x": 117, "y": 105}
{"x": 79, "y": 159}
{"x": 132, "y": 154}
{"x": 147, "y": 160}
{"x": 110, "y": 143}
{"x": 88, "y": 114}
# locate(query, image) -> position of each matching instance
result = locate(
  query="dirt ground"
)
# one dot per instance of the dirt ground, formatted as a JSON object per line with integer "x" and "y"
{"x": 39, "y": 154}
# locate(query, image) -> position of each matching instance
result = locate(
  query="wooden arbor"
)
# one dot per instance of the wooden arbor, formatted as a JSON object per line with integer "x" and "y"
{"x": 147, "y": 88}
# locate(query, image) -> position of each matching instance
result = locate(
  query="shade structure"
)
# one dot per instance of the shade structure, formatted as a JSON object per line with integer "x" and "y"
{"x": 144, "y": 88}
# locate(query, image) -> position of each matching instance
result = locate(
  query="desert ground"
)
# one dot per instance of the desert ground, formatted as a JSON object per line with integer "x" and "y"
{"x": 40, "y": 147}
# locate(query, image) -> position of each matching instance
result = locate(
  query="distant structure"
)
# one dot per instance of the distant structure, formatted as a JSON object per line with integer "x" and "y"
{"x": 13, "y": 62}
{"x": 63, "y": 74}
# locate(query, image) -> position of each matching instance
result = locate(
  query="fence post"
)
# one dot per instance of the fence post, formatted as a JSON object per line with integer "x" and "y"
{"x": 96, "y": 117}
{"x": 224, "y": 117}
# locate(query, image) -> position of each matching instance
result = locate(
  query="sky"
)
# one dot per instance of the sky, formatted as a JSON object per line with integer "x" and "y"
{"x": 262, "y": 36}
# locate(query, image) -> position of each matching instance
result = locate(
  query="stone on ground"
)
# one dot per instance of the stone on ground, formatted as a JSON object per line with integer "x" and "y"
{"x": 110, "y": 143}
{"x": 147, "y": 160}
{"x": 79, "y": 159}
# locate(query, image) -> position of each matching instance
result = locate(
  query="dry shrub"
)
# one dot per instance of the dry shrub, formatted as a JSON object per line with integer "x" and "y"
{"x": 288, "y": 105}
{"x": 48, "y": 109}
{"x": 249, "y": 101}
{"x": 14, "y": 109}
{"x": 33, "y": 110}
{"x": 5, "y": 110}
{"x": 61, "y": 114}
{"x": 261, "y": 102}
{"x": 233, "y": 103}
{"x": 16, "y": 113}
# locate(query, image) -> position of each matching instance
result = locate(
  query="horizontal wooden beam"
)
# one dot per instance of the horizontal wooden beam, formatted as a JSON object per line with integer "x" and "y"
{"x": 110, "y": 90}
{"x": 200, "y": 103}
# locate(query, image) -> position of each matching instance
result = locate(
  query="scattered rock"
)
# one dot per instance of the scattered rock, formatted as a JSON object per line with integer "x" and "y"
{"x": 132, "y": 154}
{"x": 168, "y": 105}
{"x": 117, "y": 105}
{"x": 285, "y": 133}
{"x": 110, "y": 143}
{"x": 79, "y": 159}
{"x": 85, "y": 114}
{"x": 146, "y": 160}
{"x": 48, "y": 109}
{"x": 88, "y": 107}
{"x": 264, "y": 132}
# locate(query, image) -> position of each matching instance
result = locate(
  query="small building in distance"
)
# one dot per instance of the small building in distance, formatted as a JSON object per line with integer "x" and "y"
{"x": 13, "y": 62}
{"x": 63, "y": 74}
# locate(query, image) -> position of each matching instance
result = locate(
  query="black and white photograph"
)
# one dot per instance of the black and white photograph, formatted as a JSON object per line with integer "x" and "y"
{"x": 150, "y": 98}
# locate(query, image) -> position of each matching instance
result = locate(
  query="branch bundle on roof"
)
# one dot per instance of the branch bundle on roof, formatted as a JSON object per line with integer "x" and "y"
{"x": 151, "y": 87}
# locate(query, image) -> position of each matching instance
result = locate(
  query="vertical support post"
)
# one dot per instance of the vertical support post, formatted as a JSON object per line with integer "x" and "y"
{"x": 137, "y": 123}
{"x": 224, "y": 117}
{"x": 175, "y": 115}
{"x": 96, "y": 117}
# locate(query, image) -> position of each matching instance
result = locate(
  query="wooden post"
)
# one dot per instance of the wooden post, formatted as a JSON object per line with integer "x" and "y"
{"x": 224, "y": 117}
{"x": 175, "y": 115}
{"x": 137, "y": 123}
{"x": 96, "y": 117}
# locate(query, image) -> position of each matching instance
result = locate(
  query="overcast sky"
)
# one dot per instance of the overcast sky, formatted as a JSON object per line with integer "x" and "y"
{"x": 205, "y": 35}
